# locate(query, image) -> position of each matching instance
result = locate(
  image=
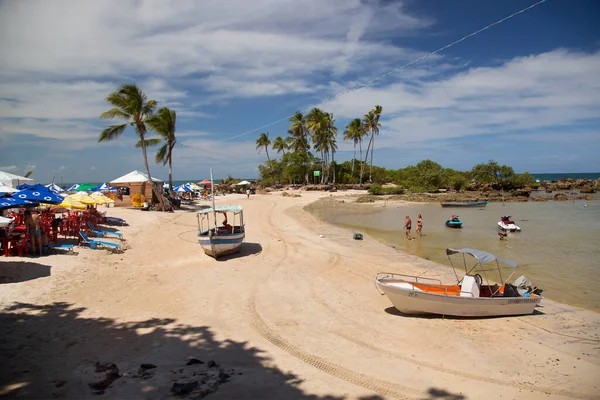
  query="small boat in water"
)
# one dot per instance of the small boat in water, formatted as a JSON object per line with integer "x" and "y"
{"x": 454, "y": 222}
{"x": 221, "y": 239}
{"x": 466, "y": 204}
{"x": 469, "y": 297}
{"x": 506, "y": 224}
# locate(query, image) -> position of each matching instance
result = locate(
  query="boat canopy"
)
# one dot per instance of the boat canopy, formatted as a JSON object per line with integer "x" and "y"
{"x": 233, "y": 209}
{"x": 482, "y": 256}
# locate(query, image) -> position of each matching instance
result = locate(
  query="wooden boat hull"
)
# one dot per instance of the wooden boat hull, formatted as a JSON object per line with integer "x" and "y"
{"x": 410, "y": 300}
{"x": 221, "y": 245}
{"x": 467, "y": 204}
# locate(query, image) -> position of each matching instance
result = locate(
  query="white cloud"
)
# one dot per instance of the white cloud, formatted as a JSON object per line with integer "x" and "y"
{"x": 93, "y": 168}
{"x": 8, "y": 168}
{"x": 545, "y": 91}
{"x": 30, "y": 167}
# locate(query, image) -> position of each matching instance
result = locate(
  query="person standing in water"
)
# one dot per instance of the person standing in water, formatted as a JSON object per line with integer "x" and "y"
{"x": 407, "y": 227}
{"x": 420, "y": 226}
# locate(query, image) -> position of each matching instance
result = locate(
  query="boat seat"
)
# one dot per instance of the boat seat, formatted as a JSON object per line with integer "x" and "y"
{"x": 469, "y": 285}
{"x": 489, "y": 290}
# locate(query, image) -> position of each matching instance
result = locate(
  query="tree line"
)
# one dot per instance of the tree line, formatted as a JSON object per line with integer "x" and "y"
{"x": 316, "y": 131}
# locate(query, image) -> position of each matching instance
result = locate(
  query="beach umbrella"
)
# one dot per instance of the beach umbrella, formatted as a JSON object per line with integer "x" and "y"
{"x": 69, "y": 203}
{"x": 81, "y": 197}
{"x": 37, "y": 193}
{"x": 73, "y": 187}
{"x": 100, "y": 198}
{"x": 85, "y": 187}
{"x": 53, "y": 187}
{"x": 182, "y": 189}
{"x": 11, "y": 202}
{"x": 8, "y": 179}
{"x": 205, "y": 182}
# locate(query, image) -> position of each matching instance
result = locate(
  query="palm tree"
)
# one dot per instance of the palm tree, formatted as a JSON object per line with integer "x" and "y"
{"x": 300, "y": 139}
{"x": 316, "y": 123}
{"x": 354, "y": 131}
{"x": 280, "y": 145}
{"x": 371, "y": 121}
{"x": 130, "y": 105}
{"x": 164, "y": 124}
{"x": 331, "y": 141}
{"x": 263, "y": 141}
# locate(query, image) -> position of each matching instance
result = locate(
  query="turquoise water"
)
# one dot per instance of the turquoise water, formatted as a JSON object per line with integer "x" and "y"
{"x": 557, "y": 248}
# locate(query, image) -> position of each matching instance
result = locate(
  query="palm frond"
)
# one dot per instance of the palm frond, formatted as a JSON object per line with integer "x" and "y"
{"x": 112, "y": 132}
{"x": 115, "y": 113}
{"x": 162, "y": 154}
{"x": 149, "y": 142}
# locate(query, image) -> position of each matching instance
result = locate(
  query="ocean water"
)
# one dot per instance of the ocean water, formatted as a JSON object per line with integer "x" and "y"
{"x": 558, "y": 247}
{"x": 558, "y": 176}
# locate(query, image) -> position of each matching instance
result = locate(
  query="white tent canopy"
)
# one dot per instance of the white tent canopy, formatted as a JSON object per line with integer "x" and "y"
{"x": 133, "y": 177}
{"x": 12, "y": 180}
{"x": 7, "y": 189}
{"x": 242, "y": 183}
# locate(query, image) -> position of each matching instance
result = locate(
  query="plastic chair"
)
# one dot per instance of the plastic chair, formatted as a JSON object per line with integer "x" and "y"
{"x": 95, "y": 243}
{"x": 103, "y": 232}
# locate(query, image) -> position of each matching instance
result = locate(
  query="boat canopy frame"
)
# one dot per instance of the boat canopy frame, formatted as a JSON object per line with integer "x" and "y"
{"x": 481, "y": 257}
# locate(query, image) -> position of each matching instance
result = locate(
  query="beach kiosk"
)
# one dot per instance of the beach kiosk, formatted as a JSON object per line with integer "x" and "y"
{"x": 140, "y": 191}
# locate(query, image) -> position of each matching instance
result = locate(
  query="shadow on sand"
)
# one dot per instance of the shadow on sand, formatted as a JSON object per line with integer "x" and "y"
{"x": 52, "y": 350}
{"x": 394, "y": 311}
{"x": 247, "y": 249}
{"x": 21, "y": 271}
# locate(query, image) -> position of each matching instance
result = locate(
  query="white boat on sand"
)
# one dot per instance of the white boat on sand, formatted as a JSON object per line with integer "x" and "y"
{"x": 469, "y": 297}
{"x": 219, "y": 239}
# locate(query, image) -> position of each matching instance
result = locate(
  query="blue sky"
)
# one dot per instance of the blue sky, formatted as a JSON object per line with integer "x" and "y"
{"x": 525, "y": 93}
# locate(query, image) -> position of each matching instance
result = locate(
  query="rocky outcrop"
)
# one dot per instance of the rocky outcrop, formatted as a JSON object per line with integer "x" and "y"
{"x": 560, "y": 197}
{"x": 587, "y": 189}
{"x": 525, "y": 192}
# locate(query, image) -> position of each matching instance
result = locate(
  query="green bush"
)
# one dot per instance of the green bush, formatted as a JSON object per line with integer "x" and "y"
{"x": 378, "y": 190}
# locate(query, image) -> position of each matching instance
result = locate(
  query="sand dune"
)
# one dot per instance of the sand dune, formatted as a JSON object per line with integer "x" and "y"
{"x": 295, "y": 315}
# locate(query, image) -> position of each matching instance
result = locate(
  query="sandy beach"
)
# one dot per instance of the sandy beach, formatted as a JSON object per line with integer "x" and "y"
{"x": 295, "y": 315}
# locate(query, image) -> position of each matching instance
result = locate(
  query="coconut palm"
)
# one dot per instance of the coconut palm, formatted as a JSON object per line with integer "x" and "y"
{"x": 372, "y": 124}
{"x": 280, "y": 145}
{"x": 164, "y": 124}
{"x": 355, "y": 132}
{"x": 263, "y": 141}
{"x": 331, "y": 141}
{"x": 299, "y": 139}
{"x": 130, "y": 105}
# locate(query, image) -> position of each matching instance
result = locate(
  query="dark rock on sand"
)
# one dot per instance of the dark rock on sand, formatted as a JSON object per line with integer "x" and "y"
{"x": 211, "y": 363}
{"x": 560, "y": 197}
{"x": 184, "y": 386}
{"x": 193, "y": 361}
{"x": 587, "y": 189}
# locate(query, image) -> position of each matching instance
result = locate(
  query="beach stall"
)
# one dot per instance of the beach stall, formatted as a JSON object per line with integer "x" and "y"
{"x": 12, "y": 180}
{"x": 140, "y": 191}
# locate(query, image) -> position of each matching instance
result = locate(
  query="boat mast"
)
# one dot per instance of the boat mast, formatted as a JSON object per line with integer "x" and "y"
{"x": 212, "y": 193}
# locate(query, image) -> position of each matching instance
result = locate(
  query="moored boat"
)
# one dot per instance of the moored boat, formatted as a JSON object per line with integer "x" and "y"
{"x": 469, "y": 297}
{"x": 221, "y": 239}
{"x": 466, "y": 204}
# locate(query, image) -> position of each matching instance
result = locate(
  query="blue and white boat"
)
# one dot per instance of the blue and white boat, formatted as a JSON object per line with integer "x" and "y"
{"x": 219, "y": 238}
{"x": 224, "y": 237}
{"x": 454, "y": 222}
{"x": 466, "y": 204}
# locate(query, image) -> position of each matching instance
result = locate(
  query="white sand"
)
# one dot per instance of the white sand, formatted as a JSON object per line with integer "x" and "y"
{"x": 297, "y": 315}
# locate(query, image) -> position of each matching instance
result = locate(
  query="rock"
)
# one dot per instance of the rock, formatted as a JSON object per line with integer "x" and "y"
{"x": 211, "y": 363}
{"x": 587, "y": 189}
{"x": 588, "y": 197}
{"x": 193, "y": 361}
{"x": 540, "y": 199}
{"x": 106, "y": 367}
{"x": 520, "y": 198}
{"x": 184, "y": 386}
{"x": 99, "y": 387}
{"x": 147, "y": 366}
{"x": 59, "y": 383}
{"x": 526, "y": 192}
{"x": 560, "y": 197}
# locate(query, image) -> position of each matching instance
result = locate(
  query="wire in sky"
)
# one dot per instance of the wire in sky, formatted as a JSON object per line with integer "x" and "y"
{"x": 372, "y": 81}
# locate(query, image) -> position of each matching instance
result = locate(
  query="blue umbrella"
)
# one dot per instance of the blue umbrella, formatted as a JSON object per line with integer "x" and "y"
{"x": 73, "y": 187}
{"x": 54, "y": 187}
{"x": 10, "y": 202}
{"x": 37, "y": 193}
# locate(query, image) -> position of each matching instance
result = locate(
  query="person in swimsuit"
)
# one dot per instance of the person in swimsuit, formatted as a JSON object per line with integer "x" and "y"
{"x": 420, "y": 225}
{"x": 32, "y": 222}
{"x": 407, "y": 227}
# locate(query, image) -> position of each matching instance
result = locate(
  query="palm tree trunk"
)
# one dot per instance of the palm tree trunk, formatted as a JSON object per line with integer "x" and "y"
{"x": 361, "y": 163}
{"x": 170, "y": 172}
{"x": 333, "y": 165}
{"x": 353, "y": 159}
{"x": 371, "y": 167}
{"x": 368, "y": 148}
